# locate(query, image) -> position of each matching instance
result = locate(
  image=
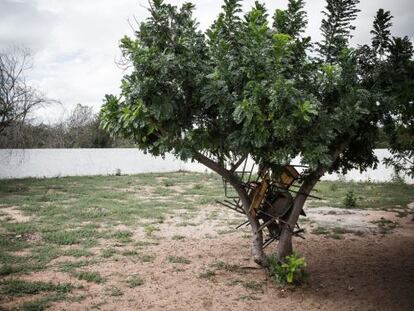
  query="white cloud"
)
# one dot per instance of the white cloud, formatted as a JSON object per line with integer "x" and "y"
{"x": 76, "y": 42}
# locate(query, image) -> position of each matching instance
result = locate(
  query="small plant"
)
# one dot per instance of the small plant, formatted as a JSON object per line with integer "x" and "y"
{"x": 178, "y": 259}
{"x": 94, "y": 277}
{"x": 385, "y": 226}
{"x": 109, "y": 252}
{"x": 333, "y": 187}
{"x": 396, "y": 177}
{"x": 350, "y": 200}
{"x": 113, "y": 291}
{"x": 178, "y": 237}
{"x": 150, "y": 229}
{"x": 221, "y": 265}
{"x": 123, "y": 236}
{"x": 291, "y": 271}
{"x": 135, "y": 281}
{"x": 253, "y": 285}
{"x": 147, "y": 258}
{"x": 208, "y": 274}
{"x": 198, "y": 186}
{"x": 168, "y": 183}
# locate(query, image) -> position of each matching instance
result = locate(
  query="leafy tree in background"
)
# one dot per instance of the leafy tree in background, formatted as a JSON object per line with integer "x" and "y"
{"x": 250, "y": 88}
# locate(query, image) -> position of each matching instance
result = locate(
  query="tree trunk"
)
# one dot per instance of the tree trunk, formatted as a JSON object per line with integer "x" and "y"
{"x": 233, "y": 179}
{"x": 257, "y": 236}
{"x": 284, "y": 247}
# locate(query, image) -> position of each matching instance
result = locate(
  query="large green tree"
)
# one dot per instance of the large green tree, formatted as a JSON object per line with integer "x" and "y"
{"x": 249, "y": 87}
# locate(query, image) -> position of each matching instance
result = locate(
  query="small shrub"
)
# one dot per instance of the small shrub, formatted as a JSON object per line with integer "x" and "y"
{"x": 16, "y": 287}
{"x": 109, "y": 252}
{"x": 333, "y": 187}
{"x": 178, "y": 237}
{"x": 253, "y": 285}
{"x": 147, "y": 258}
{"x": 221, "y": 265}
{"x": 396, "y": 177}
{"x": 198, "y": 186}
{"x": 94, "y": 277}
{"x": 123, "y": 236}
{"x": 178, "y": 259}
{"x": 150, "y": 229}
{"x": 292, "y": 271}
{"x": 350, "y": 200}
{"x": 168, "y": 183}
{"x": 113, "y": 291}
{"x": 208, "y": 274}
{"x": 135, "y": 281}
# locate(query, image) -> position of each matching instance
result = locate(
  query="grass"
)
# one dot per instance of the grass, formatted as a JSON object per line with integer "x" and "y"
{"x": 207, "y": 274}
{"x": 385, "y": 226}
{"x": 178, "y": 259}
{"x": 221, "y": 265}
{"x": 69, "y": 266}
{"x": 91, "y": 277}
{"x": 92, "y": 219}
{"x": 16, "y": 287}
{"x": 336, "y": 232}
{"x": 78, "y": 252}
{"x": 150, "y": 229}
{"x": 113, "y": 291}
{"x": 178, "y": 237}
{"x": 367, "y": 195}
{"x": 135, "y": 281}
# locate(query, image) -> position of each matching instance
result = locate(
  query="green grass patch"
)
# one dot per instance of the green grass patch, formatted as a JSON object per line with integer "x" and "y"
{"x": 70, "y": 266}
{"x": 178, "y": 259}
{"x": 78, "y": 252}
{"x": 16, "y": 287}
{"x": 113, "y": 291}
{"x": 135, "y": 281}
{"x": 364, "y": 195}
{"x": 91, "y": 277}
{"x": 178, "y": 237}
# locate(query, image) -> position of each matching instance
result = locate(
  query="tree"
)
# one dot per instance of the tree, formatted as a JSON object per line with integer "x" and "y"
{"x": 336, "y": 27}
{"x": 398, "y": 74}
{"x": 17, "y": 97}
{"x": 241, "y": 89}
{"x": 381, "y": 32}
{"x": 82, "y": 130}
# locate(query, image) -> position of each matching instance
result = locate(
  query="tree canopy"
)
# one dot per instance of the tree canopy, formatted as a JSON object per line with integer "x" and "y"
{"x": 249, "y": 86}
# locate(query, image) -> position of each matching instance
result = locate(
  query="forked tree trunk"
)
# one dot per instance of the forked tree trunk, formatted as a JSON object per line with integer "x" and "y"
{"x": 233, "y": 179}
{"x": 284, "y": 247}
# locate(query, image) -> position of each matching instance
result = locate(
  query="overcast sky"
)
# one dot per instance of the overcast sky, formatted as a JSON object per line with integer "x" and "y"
{"x": 75, "y": 42}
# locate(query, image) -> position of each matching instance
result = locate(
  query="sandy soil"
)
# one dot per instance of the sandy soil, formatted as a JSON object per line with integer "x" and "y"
{"x": 368, "y": 272}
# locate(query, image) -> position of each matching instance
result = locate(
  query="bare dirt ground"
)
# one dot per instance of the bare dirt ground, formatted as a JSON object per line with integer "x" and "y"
{"x": 356, "y": 268}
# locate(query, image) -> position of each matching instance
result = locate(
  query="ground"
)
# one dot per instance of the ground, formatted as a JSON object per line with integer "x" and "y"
{"x": 159, "y": 241}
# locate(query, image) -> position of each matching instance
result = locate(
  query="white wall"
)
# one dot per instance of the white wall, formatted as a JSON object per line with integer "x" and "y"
{"x": 20, "y": 163}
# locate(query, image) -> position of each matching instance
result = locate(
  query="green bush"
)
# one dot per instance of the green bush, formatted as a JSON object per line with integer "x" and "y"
{"x": 291, "y": 271}
{"x": 350, "y": 200}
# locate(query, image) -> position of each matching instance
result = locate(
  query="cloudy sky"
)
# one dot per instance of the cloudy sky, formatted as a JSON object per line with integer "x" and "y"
{"x": 75, "y": 42}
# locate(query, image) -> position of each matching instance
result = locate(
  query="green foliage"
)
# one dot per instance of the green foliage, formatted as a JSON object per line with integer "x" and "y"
{"x": 135, "y": 281}
{"x": 150, "y": 229}
{"x": 350, "y": 200}
{"x": 178, "y": 259}
{"x": 291, "y": 271}
{"x": 92, "y": 277}
{"x": 336, "y": 28}
{"x": 381, "y": 32}
{"x": 244, "y": 87}
{"x": 20, "y": 288}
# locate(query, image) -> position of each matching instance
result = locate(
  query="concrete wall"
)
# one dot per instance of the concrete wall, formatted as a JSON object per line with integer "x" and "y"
{"x": 20, "y": 163}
